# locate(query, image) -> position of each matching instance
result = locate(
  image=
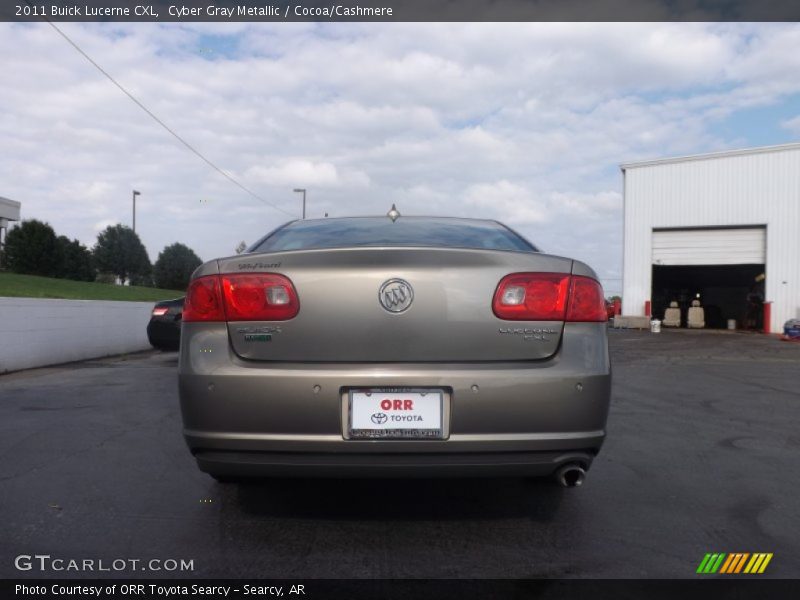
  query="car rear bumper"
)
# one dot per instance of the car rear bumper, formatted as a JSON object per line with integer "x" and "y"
{"x": 450, "y": 464}
{"x": 516, "y": 418}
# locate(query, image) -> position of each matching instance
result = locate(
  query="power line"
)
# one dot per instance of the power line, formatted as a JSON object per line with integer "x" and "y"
{"x": 164, "y": 125}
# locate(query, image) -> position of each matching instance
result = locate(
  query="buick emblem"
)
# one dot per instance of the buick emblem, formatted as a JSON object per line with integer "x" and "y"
{"x": 379, "y": 418}
{"x": 396, "y": 295}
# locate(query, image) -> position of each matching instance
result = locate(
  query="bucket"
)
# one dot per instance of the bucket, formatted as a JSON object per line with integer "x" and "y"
{"x": 655, "y": 326}
{"x": 731, "y": 323}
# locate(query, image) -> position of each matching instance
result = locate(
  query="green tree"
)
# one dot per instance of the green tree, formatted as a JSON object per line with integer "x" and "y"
{"x": 119, "y": 251}
{"x": 174, "y": 266}
{"x": 76, "y": 260}
{"x": 31, "y": 248}
{"x": 143, "y": 279}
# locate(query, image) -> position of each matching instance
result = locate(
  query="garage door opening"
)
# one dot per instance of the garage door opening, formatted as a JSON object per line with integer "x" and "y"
{"x": 725, "y": 292}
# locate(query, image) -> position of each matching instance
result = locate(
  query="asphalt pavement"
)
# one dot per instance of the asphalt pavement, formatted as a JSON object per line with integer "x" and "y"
{"x": 701, "y": 456}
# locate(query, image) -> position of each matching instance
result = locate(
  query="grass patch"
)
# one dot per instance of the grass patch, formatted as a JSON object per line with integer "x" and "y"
{"x": 31, "y": 286}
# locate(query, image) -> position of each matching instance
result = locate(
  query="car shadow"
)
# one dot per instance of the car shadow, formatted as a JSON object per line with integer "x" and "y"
{"x": 413, "y": 499}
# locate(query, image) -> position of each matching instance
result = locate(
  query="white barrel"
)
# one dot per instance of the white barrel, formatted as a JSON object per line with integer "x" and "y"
{"x": 731, "y": 323}
{"x": 655, "y": 326}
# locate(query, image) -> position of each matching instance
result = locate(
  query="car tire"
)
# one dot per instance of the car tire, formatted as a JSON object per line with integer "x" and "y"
{"x": 225, "y": 479}
{"x": 164, "y": 347}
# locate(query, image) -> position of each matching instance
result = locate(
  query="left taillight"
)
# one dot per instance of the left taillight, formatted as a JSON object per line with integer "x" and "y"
{"x": 160, "y": 311}
{"x": 203, "y": 300}
{"x": 259, "y": 297}
{"x": 241, "y": 297}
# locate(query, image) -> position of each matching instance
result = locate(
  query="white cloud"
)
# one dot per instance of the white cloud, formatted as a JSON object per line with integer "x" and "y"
{"x": 594, "y": 206}
{"x": 295, "y": 172}
{"x": 792, "y": 125}
{"x": 512, "y": 203}
{"x": 305, "y": 173}
{"x": 525, "y": 122}
{"x": 101, "y": 225}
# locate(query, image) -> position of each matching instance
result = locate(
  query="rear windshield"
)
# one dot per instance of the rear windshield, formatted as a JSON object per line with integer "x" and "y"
{"x": 381, "y": 231}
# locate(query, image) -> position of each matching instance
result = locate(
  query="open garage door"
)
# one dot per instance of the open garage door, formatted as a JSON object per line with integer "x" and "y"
{"x": 734, "y": 246}
{"x": 724, "y": 268}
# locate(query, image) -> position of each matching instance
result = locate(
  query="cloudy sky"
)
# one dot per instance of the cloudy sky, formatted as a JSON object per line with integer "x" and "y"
{"x": 526, "y": 123}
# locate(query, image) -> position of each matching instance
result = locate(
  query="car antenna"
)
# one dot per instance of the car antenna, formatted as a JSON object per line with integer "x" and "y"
{"x": 393, "y": 213}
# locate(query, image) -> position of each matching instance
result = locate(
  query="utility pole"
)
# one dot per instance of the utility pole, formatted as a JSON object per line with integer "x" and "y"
{"x": 303, "y": 190}
{"x": 135, "y": 193}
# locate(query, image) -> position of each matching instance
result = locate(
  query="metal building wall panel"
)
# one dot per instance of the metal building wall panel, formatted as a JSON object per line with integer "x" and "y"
{"x": 758, "y": 187}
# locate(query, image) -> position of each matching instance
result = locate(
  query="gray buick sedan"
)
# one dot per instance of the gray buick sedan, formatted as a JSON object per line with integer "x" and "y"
{"x": 394, "y": 346}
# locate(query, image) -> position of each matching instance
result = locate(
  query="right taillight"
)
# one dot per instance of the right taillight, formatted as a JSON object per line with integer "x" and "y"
{"x": 532, "y": 297}
{"x": 548, "y": 297}
{"x": 241, "y": 297}
{"x": 586, "y": 301}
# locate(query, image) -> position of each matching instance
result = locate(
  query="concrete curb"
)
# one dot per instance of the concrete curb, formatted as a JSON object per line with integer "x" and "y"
{"x": 37, "y": 332}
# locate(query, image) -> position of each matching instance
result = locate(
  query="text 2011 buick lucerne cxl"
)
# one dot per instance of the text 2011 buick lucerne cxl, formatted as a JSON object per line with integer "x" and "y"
{"x": 384, "y": 346}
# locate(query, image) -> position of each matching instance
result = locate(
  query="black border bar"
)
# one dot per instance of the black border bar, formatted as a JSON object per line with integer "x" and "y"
{"x": 712, "y": 588}
{"x": 276, "y": 11}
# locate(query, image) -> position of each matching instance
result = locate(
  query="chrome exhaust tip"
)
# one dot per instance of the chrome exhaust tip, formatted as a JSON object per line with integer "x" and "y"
{"x": 571, "y": 475}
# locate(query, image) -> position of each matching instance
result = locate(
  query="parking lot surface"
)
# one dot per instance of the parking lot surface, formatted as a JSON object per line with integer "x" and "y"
{"x": 702, "y": 456}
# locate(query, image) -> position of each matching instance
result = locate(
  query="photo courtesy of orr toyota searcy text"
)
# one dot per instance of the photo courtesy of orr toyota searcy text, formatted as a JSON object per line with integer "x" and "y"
{"x": 161, "y": 591}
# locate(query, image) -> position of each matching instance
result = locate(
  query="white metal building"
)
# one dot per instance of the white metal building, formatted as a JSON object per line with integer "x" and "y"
{"x": 9, "y": 211}
{"x": 714, "y": 225}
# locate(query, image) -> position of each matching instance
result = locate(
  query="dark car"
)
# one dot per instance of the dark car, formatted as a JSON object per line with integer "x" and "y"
{"x": 164, "y": 328}
{"x": 406, "y": 346}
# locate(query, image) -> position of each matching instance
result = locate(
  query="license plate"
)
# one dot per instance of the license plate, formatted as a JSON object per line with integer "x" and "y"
{"x": 397, "y": 413}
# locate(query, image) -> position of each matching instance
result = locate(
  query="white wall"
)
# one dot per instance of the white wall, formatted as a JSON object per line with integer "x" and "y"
{"x": 35, "y": 332}
{"x": 750, "y": 187}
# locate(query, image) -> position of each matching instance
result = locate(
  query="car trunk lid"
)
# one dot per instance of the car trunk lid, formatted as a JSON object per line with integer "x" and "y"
{"x": 342, "y": 317}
